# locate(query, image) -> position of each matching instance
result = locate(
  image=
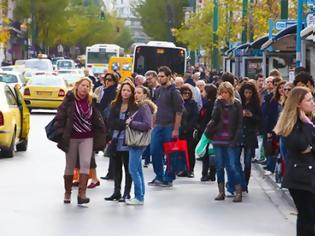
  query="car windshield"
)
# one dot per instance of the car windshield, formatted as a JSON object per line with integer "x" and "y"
{"x": 46, "y": 81}
{"x": 6, "y": 78}
{"x": 65, "y": 64}
{"x": 37, "y": 64}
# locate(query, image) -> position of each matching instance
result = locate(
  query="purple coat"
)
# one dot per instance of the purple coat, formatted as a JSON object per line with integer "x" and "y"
{"x": 142, "y": 120}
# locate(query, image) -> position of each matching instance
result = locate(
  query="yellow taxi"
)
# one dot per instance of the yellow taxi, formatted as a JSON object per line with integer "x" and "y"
{"x": 14, "y": 121}
{"x": 45, "y": 91}
{"x": 122, "y": 65}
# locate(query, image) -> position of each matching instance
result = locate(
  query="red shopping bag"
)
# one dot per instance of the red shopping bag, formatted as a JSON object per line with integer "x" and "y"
{"x": 176, "y": 151}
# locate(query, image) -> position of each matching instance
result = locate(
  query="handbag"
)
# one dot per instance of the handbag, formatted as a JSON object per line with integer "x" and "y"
{"x": 136, "y": 138}
{"x": 51, "y": 131}
{"x": 202, "y": 146}
{"x": 177, "y": 158}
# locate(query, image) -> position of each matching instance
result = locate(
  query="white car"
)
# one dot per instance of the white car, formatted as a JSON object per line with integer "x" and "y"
{"x": 65, "y": 64}
{"x": 39, "y": 64}
{"x": 70, "y": 76}
{"x": 12, "y": 78}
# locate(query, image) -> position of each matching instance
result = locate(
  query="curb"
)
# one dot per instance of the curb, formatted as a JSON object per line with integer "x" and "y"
{"x": 270, "y": 180}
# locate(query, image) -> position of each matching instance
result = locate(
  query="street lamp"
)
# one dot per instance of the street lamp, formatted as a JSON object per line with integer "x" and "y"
{"x": 24, "y": 28}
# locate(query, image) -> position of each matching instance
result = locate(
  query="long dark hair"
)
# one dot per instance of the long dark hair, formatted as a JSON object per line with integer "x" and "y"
{"x": 131, "y": 101}
{"x": 250, "y": 86}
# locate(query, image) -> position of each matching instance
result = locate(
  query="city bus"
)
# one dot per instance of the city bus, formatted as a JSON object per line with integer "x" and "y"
{"x": 98, "y": 55}
{"x": 154, "y": 54}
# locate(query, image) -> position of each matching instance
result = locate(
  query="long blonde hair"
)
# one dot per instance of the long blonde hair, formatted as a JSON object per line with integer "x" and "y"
{"x": 290, "y": 112}
{"x": 227, "y": 86}
{"x": 90, "y": 95}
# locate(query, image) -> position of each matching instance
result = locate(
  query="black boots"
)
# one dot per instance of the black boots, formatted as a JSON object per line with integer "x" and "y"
{"x": 82, "y": 199}
{"x": 114, "y": 197}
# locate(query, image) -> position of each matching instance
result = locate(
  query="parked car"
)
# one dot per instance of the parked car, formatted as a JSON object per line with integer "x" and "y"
{"x": 45, "y": 92}
{"x": 14, "y": 121}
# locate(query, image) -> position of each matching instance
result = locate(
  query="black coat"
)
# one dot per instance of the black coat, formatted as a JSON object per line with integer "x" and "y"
{"x": 189, "y": 118}
{"x": 64, "y": 124}
{"x": 300, "y": 168}
{"x": 251, "y": 125}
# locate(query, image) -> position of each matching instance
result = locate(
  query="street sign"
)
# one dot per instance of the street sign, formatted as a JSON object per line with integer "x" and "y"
{"x": 283, "y": 24}
{"x": 310, "y": 3}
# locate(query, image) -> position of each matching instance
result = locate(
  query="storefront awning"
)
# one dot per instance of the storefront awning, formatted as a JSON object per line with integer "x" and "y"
{"x": 259, "y": 42}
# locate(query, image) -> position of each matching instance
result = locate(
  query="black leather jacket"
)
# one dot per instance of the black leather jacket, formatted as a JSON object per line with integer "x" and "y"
{"x": 300, "y": 167}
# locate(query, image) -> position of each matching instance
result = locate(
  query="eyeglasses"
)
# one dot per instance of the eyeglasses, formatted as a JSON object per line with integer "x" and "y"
{"x": 186, "y": 93}
{"x": 109, "y": 79}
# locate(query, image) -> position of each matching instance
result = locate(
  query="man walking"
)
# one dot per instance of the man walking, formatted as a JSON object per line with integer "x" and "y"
{"x": 166, "y": 125}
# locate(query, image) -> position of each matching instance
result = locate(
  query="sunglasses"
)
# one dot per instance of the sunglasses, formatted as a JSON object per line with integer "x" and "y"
{"x": 287, "y": 89}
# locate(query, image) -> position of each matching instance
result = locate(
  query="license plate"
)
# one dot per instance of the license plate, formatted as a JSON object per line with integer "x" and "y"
{"x": 44, "y": 93}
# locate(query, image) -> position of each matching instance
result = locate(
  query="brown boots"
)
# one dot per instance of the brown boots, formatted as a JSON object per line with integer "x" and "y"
{"x": 221, "y": 195}
{"x": 238, "y": 193}
{"x": 68, "y": 187}
{"x": 82, "y": 199}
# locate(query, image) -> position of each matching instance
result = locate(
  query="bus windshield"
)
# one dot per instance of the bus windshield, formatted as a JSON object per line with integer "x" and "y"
{"x": 99, "y": 57}
{"x": 151, "y": 58}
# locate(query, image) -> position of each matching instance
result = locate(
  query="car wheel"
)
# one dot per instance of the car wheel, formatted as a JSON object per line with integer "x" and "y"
{"x": 10, "y": 151}
{"x": 22, "y": 146}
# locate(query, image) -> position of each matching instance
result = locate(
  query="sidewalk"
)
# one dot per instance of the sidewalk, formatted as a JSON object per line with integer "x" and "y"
{"x": 270, "y": 179}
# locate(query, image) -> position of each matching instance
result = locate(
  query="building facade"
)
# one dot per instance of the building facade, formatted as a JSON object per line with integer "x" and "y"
{"x": 124, "y": 9}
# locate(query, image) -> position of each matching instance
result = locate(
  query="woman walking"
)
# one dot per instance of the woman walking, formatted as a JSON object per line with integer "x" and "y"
{"x": 224, "y": 129}
{"x": 297, "y": 129}
{"x": 141, "y": 121}
{"x": 204, "y": 117}
{"x": 82, "y": 131}
{"x": 188, "y": 126}
{"x": 251, "y": 120}
{"x": 122, "y": 107}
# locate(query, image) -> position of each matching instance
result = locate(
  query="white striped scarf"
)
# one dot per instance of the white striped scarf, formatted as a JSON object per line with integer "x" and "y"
{"x": 82, "y": 120}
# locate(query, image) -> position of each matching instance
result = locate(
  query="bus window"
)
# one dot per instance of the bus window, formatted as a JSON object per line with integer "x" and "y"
{"x": 126, "y": 67}
{"x": 151, "y": 58}
{"x": 115, "y": 66}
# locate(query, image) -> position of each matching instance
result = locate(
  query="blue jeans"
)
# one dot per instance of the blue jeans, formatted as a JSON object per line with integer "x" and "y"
{"x": 146, "y": 155}
{"x": 160, "y": 135}
{"x": 231, "y": 183}
{"x": 135, "y": 170}
{"x": 226, "y": 157}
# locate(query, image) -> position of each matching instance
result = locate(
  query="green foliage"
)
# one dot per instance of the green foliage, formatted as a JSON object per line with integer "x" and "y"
{"x": 159, "y": 17}
{"x": 71, "y": 23}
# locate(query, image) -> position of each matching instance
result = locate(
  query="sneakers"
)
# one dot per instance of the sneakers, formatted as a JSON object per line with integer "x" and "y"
{"x": 155, "y": 182}
{"x": 158, "y": 183}
{"x": 134, "y": 202}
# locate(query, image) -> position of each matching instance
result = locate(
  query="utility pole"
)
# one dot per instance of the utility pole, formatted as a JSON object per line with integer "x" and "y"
{"x": 244, "y": 21}
{"x": 298, "y": 32}
{"x": 284, "y": 9}
{"x": 215, "y": 52}
{"x": 33, "y": 26}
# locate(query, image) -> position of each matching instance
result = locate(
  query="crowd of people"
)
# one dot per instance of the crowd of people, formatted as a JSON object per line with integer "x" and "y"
{"x": 264, "y": 120}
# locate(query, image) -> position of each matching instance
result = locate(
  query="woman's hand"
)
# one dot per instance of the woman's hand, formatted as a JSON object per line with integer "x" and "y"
{"x": 128, "y": 121}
